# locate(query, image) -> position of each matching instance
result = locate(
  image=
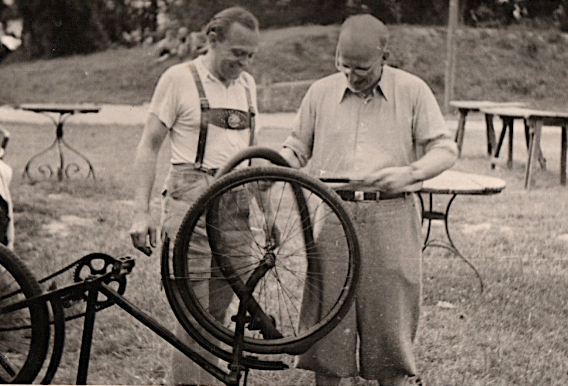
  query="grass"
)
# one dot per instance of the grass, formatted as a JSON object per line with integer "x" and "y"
{"x": 496, "y": 64}
{"x": 514, "y": 333}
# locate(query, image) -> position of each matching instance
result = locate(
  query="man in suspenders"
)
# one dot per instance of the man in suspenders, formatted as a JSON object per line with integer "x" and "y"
{"x": 207, "y": 107}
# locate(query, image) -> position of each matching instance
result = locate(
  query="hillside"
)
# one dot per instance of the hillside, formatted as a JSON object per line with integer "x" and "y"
{"x": 502, "y": 65}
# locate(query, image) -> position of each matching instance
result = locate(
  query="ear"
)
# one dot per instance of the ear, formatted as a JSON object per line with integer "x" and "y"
{"x": 212, "y": 38}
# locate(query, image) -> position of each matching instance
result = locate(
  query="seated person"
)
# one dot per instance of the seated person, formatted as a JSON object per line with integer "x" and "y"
{"x": 168, "y": 46}
{"x": 197, "y": 44}
{"x": 183, "y": 42}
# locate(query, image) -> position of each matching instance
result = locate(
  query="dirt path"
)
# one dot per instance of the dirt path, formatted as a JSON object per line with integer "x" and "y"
{"x": 136, "y": 115}
{"x": 124, "y": 115}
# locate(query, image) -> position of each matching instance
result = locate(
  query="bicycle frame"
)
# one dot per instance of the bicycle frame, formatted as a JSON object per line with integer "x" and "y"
{"x": 100, "y": 285}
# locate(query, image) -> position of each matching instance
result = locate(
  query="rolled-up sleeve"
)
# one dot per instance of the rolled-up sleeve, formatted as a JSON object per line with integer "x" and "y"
{"x": 429, "y": 125}
{"x": 301, "y": 140}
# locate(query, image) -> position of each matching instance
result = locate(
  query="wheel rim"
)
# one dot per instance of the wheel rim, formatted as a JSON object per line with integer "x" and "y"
{"x": 24, "y": 331}
{"x": 294, "y": 262}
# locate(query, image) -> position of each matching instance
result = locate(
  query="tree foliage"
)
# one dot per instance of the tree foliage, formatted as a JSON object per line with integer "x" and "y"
{"x": 63, "y": 27}
{"x": 60, "y": 27}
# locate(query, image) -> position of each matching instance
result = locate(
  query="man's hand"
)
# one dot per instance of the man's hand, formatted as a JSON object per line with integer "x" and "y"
{"x": 143, "y": 232}
{"x": 391, "y": 180}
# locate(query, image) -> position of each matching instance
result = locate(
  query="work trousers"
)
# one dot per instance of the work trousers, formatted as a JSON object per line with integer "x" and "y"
{"x": 382, "y": 324}
{"x": 183, "y": 186}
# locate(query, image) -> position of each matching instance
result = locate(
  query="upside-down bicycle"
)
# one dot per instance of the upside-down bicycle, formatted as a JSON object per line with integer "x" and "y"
{"x": 277, "y": 268}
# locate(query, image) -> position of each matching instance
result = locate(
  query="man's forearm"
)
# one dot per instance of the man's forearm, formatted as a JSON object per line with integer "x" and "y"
{"x": 144, "y": 177}
{"x": 432, "y": 163}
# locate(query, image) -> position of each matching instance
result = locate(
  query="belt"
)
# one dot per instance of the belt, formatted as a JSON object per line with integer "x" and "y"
{"x": 188, "y": 165}
{"x": 356, "y": 195}
{"x": 211, "y": 172}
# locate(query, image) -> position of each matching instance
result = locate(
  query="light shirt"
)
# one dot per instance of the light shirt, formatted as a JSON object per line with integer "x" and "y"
{"x": 5, "y": 179}
{"x": 176, "y": 104}
{"x": 344, "y": 135}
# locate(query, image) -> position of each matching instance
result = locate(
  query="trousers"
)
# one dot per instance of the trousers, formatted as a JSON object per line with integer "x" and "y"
{"x": 183, "y": 186}
{"x": 375, "y": 339}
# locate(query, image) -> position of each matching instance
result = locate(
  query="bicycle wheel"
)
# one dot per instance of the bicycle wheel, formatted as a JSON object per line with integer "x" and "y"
{"x": 264, "y": 223}
{"x": 24, "y": 327}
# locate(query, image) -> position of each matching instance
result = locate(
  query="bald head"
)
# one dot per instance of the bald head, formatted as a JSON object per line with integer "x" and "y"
{"x": 361, "y": 51}
{"x": 363, "y": 35}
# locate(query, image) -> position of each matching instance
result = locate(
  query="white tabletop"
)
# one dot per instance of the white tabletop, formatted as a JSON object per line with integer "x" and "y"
{"x": 454, "y": 182}
{"x": 477, "y": 105}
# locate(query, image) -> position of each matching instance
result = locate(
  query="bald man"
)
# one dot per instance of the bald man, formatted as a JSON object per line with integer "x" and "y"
{"x": 382, "y": 128}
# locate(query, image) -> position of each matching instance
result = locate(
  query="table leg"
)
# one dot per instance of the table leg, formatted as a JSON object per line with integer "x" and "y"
{"x": 431, "y": 215}
{"x": 563, "y": 154}
{"x": 499, "y": 144}
{"x": 460, "y": 132}
{"x": 541, "y": 159}
{"x": 535, "y": 128}
{"x": 63, "y": 171}
{"x": 491, "y": 139}
{"x": 75, "y": 168}
{"x": 511, "y": 138}
{"x": 45, "y": 170}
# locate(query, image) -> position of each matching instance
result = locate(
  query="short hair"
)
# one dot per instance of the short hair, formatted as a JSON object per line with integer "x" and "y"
{"x": 367, "y": 24}
{"x": 221, "y": 22}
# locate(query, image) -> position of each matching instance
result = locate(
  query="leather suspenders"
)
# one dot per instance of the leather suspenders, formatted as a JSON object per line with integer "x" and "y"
{"x": 229, "y": 119}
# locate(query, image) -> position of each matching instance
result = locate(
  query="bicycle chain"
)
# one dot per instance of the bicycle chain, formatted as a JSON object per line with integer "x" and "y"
{"x": 79, "y": 265}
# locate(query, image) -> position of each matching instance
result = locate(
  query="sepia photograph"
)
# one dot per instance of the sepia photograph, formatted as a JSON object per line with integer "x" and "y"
{"x": 284, "y": 192}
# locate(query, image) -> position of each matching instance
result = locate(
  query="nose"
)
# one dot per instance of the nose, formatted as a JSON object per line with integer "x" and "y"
{"x": 352, "y": 77}
{"x": 245, "y": 60}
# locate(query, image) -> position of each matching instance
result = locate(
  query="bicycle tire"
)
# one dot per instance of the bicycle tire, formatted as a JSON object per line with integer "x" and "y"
{"x": 250, "y": 153}
{"x": 290, "y": 336}
{"x": 24, "y": 332}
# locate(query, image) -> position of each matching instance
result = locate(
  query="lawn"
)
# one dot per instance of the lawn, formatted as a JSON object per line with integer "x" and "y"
{"x": 496, "y": 64}
{"x": 512, "y": 334}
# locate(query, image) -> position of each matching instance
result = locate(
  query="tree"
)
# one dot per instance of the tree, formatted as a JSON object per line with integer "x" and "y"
{"x": 60, "y": 27}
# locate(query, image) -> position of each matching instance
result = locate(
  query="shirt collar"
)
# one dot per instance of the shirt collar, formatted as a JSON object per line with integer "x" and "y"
{"x": 384, "y": 87}
{"x": 207, "y": 76}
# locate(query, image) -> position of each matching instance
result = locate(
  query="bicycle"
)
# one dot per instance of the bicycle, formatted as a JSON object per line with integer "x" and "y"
{"x": 276, "y": 265}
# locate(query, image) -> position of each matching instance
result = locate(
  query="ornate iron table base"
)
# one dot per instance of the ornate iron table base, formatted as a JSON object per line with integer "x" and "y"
{"x": 63, "y": 170}
{"x": 431, "y": 215}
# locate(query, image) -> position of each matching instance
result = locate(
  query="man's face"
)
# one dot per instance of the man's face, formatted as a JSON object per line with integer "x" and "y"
{"x": 363, "y": 68}
{"x": 235, "y": 53}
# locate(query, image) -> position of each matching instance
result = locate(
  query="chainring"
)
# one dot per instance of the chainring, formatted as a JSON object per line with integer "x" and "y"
{"x": 96, "y": 264}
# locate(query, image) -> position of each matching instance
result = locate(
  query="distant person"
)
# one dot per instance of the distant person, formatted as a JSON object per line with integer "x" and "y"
{"x": 197, "y": 44}
{"x": 176, "y": 109}
{"x": 168, "y": 46}
{"x": 8, "y": 44}
{"x": 382, "y": 128}
{"x": 183, "y": 48}
{"x": 147, "y": 37}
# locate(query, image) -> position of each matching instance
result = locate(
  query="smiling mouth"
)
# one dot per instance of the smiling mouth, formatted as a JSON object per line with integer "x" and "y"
{"x": 237, "y": 67}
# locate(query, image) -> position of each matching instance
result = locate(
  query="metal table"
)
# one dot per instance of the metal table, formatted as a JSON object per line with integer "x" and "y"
{"x": 63, "y": 112}
{"x": 454, "y": 183}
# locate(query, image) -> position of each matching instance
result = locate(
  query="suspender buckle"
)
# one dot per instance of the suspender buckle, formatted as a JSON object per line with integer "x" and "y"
{"x": 204, "y": 103}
